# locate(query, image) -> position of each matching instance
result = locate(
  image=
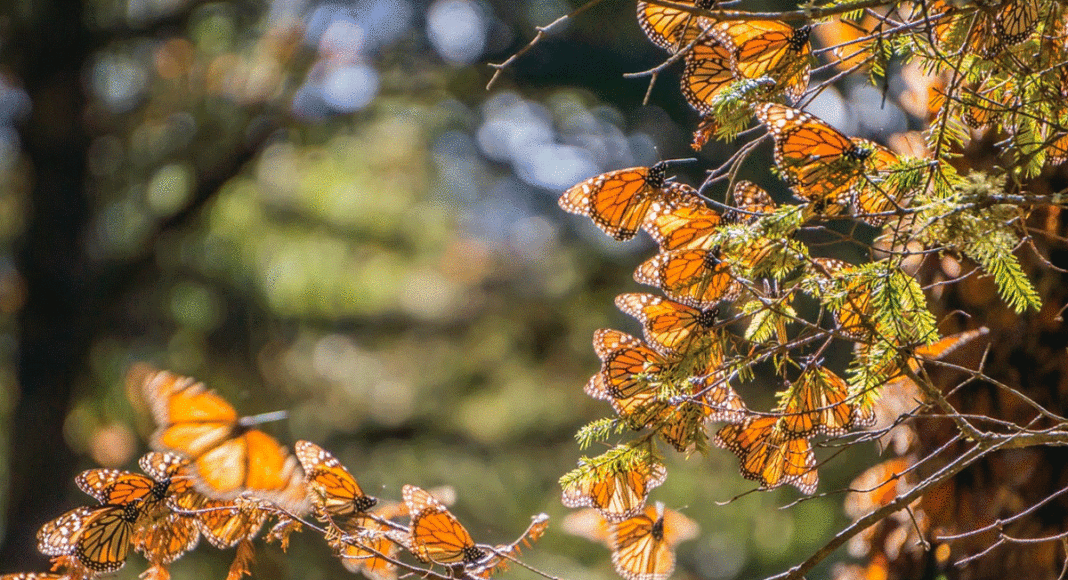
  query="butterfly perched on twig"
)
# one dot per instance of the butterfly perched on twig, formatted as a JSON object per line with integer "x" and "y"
{"x": 335, "y": 493}
{"x": 619, "y": 202}
{"x": 819, "y": 163}
{"x": 436, "y": 535}
{"x": 769, "y": 456}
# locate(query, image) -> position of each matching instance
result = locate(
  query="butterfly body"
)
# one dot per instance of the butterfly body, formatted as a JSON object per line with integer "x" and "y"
{"x": 643, "y": 547}
{"x": 819, "y": 163}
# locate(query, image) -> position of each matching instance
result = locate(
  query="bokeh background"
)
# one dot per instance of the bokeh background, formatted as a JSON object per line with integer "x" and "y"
{"x": 318, "y": 207}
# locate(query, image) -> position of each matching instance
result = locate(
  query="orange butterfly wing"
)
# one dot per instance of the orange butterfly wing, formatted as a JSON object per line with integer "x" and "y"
{"x": 113, "y": 486}
{"x": 751, "y": 203}
{"x": 769, "y": 458}
{"x": 684, "y": 226}
{"x": 1058, "y": 150}
{"x": 364, "y": 553}
{"x": 769, "y": 48}
{"x": 818, "y": 162}
{"x": 336, "y": 492}
{"x": 616, "y": 494}
{"x": 98, "y": 538}
{"x": 670, "y": 327}
{"x": 669, "y": 28}
{"x": 707, "y": 72}
{"x": 168, "y": 539}
{"x": 876, "y": 487}
{"x": 436, "y": 535}
{"x": 227, "y": 459}
{"x": 629, "y": 369}
{"x": 616, "y": 201}
{"x": 225, "y": 524}
{"x": 696, "y": 278}
{"x": 643, "y": 547}
{"x": 870, "y": 195}
{"x": 818, "y": 403}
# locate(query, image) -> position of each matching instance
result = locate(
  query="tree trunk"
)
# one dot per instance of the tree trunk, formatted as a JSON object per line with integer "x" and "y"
{"x": 50, "y": 42}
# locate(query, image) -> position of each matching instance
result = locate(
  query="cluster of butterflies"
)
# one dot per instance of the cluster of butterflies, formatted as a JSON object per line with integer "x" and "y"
{"x": 217, "y": 477}
{"x": 732, "y": 66}
{"x": 1015, "y": 78}
{"x": 760, "y": 58}
{"x": 677, "y": 380}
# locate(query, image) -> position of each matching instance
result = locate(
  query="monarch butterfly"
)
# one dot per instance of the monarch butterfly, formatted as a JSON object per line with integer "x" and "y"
{"x": 630, "y": 378}
{"x": 436, "y": 535}
{"x": 114, "y": 486}
{"x": 985, "y": 102}
{"x": 751, "y": 203}
{"x": 669, "y": 28}
{"x": 630, "y": 368}
{"x": 98, "y": 538}
{"x": 695, "y": 278}
{"x": 160, "y": 534}
{"x": 768, "y": 48}
{"x": 691, "y": 226}
{"x": 818, "y": 402}
{"x": 227, "y": 457}
{"x": 682, "y": 425}
{"x": 334, "y": 490}
{"x": 937, "y": 350}
{"x": 670, "y": 327}
{"x": 618, "y": 202}
{"x": 707, "y": 72}
{"x": 606, "y": 342}
{"x": 819, "y": 163}
{"x": 871, "y": 195}
{"x": 643, "y": 547}
{"x": 769, "y": 456}
{"x": 721, "y": 403}
{"x": 616, "y": 494}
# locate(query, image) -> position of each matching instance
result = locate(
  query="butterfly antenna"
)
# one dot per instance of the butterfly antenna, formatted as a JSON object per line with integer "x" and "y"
{"x": 672, "y": 161}
{"x": 263, "y": 418}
